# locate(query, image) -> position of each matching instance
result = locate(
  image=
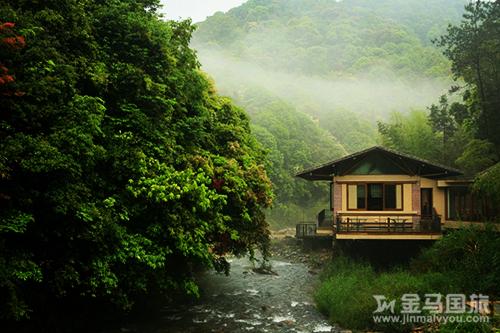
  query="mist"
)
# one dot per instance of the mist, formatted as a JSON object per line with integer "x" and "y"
{"x": 372, "y": 98}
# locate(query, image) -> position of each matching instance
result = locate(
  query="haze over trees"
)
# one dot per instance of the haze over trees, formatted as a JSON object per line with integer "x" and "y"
{"x": 345, "y": 65}
{"x": 462, "y": 126}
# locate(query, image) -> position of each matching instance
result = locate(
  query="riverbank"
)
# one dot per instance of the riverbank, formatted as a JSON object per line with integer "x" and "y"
{"x": 280, "y": 301}
{"x": 286, "y": 247}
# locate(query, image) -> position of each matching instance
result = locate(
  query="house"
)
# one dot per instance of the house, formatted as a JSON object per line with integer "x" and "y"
{"x": 379, "y": 193}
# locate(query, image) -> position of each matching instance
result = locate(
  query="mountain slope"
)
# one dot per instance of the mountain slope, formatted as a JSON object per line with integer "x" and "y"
{"x": 345, "y": 64}
{"x": 332, "y": 39}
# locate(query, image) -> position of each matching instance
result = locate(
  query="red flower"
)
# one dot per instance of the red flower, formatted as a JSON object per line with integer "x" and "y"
{"x": 217, "y": 183}
{"x": 2, "y": 81}
{"x": 8, "y": 78}
{"x": 4, "y": 69}
{"x": 9, "y": 40}
{"x": 21, "y": 41}
{"x": 7, "y": 25}
{"x": 15, "y": 42}
{"x": 19, "y": 93}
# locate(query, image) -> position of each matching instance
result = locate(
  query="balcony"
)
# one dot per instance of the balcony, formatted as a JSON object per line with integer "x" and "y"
{"x": 415, "y": 227}
{"x": 372, "y": 226}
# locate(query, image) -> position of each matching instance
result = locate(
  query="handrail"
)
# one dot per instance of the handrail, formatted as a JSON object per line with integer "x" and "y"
{"x": 305, "y": 229}
{"x": 396, "y": 224}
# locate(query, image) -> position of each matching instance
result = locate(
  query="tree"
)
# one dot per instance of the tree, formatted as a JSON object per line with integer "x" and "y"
{"x": 442, "y": 122}
{"x": 477, "y": 156}
{"x": 121, "y": 170}
{"x": 473, "y": 46}
{"x": 487, "y": 183}
{"x": 411, "y": 134}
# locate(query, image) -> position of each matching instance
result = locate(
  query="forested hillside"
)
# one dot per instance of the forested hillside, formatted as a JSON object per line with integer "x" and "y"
{"x": 331, "y": 39}
{"x": 346, "y": 65}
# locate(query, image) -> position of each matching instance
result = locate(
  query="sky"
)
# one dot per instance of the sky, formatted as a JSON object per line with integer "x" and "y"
{"x": 198, "y": 10}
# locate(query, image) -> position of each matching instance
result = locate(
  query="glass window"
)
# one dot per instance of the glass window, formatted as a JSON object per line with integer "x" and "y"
{"x": 361, "y": 196}
{"x": 463, "y": 206}
{"x": 375, "y": 197}
{"x": 356, "y": 196}
{"x": 390, "y": 196}
{"x": 393, "y": 196}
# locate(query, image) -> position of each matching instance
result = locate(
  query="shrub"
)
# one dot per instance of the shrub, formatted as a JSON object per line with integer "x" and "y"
{"x": 468, "y": 257}
{"x": 464, "y": 261}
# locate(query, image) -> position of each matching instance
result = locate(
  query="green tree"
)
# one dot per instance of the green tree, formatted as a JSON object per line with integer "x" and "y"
{"x": 294, "y": 142}
{"x": 487, "y": 183}
{"x": 412, "y": 134}
{"x": 442, "y": 122}
{"x": 477, "y": 156}
{"x": 121, "y": 169}
{"x": 472, "y": 46}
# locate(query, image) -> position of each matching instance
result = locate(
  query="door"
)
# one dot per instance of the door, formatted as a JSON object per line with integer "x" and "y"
{"x": 426, "y": 206}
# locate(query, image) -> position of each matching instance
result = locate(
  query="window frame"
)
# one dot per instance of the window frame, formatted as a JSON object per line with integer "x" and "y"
{"x": 365, "y": 184}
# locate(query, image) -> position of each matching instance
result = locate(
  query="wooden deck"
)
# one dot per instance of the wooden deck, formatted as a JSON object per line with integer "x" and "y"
{"x": 386, "y": 228}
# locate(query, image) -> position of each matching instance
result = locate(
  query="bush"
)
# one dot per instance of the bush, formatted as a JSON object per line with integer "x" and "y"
{"x": 470, "y": 257}
{"x": 451, "y": 265}
{"x": 462, "y": 326}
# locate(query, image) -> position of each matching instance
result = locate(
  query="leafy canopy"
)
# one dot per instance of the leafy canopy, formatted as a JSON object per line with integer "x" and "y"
{"x": 121, "y": 169}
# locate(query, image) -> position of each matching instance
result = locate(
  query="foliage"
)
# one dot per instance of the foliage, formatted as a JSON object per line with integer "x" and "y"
{"x": 121, "y": 169}
{"x": 300, "y": 143}
{"x": 294, "y": 142}
{"x": 412, "y": 134}
{"x": 347, "y": 288}
{"x": 343, "y": 282}
{"x": 477, "y": 156}
{"x": 467, "y": 131}
{"x": 487, "y": 183}
{"x": 463, "y": 261}
{"x": 353, "y": 131}
{"x": 328, "y": 38}
{"x": 466, "y": 324}
{"x": 472, "y": 46}
{"x": 470, "y": 256}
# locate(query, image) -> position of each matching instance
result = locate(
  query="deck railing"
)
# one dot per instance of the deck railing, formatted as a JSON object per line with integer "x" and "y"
{"x": 305, "y": 229}
{"x": 409, "y": 224}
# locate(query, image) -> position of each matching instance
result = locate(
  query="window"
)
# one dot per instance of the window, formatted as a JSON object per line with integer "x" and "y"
{"x": 375, "y": 196}
{"x": 393, "y": 196}
{"x": 463, "y": 206}
{"x": 356, "y": 196}
{"x": 361, "y": 196}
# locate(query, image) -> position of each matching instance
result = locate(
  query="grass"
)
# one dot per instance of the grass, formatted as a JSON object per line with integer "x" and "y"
{"x": 465, "y": 261}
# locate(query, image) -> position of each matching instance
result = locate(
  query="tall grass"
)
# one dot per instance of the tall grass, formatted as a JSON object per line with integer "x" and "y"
{"x": 464, "y": 261}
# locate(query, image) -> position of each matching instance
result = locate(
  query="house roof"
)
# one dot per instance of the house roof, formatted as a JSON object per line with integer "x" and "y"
{"x": 405, "y": 163}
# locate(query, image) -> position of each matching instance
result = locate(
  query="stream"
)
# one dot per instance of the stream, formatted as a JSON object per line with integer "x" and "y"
{"x": 246, "y": 301}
